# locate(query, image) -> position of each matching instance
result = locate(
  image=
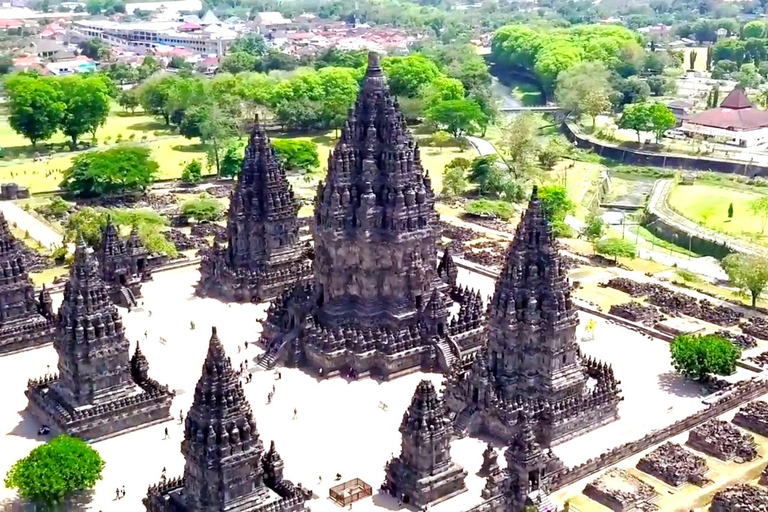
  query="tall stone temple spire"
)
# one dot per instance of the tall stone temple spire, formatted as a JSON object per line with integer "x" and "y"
{"x": 263, "y": 256}
{"x": 24, "y": 322}
{"x": 375, "y": 265}
{"x": 124, "y": 264}
{"x": 532, "y": 359}
{"x": 226, "y": 467}
{"x": 95, "y": 394}
{"x": 424, "y": 472}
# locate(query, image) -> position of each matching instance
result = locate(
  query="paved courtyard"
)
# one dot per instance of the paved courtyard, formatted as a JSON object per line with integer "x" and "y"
{"x": 341, "y": 427}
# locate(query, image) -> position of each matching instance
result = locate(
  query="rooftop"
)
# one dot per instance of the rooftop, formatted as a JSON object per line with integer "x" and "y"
{"x": 735, "y": 113}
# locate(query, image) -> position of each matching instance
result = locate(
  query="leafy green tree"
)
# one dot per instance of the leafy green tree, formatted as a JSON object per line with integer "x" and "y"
{"x": 154, "y": 95}
{"x": 238, "y": 62}
{"x": 55, "y": 470}
{"x": 149, "y": 66}
{"x": 129, "y": 100}
{"x": 251, "y": 43}
{"x": 35, "y": 106}
{"x": 636, "y": 116}
{"x": 552, "y": 152}
{"x": 192, "y": 173}
{"x": 595, "y": 103}
{"x": 730, "y": 211}
{"x": 179, "y": 63}
{"x": 657, "y": 84}
{"x": 86, "y": 105}
{"x": 231, "y": 161}
{"x": 615, "y": 247}
{"x": 216, "y": 129}
{"x": 114, "y": 171}
{"x": 692, "y": 59}
{"x": 407, "y": 75}
{"x": 759, "y": 208}
{"x": 455, "y": 177}
{"x": 576, "y": 84}
{"x": 519, "y": 146}
{"x": 748, "y": 272}
{"x": 122, "y": 73}
{"x": 458, "y": 117}
{"x": 728, "y": 49}
{"x": 297, "y": 155}
{"x": 662, "y": 119}
{"x": 6, "y": 64}
{"x": 748, "y": 76}
{"x": 204, "y": 208}
{"x": 754, "y": 29}
{"x": 556, "y": 206}
{"x": 632, "y": 90}
{"x": 336, "y": 57}
{"x": 442, "y": 88}
{"x": 594, "y": 228}
{"x": 96, "y": 49}
{"x": 697, "y": 356}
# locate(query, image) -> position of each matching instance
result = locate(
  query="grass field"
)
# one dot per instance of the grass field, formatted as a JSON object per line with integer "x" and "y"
{"x": 707, "y": 204}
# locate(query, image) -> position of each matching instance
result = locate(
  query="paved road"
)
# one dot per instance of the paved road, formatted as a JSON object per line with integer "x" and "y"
{"x": 37, "y": 229}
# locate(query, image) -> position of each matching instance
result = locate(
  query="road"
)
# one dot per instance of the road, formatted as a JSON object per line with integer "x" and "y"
{"x": 37, "y": 229}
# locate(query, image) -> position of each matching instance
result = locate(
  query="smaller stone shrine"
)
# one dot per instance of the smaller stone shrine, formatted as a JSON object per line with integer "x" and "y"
{"x": 740, "y": 498}
{"x": 619, "y": 490}
{"x": 764, "y": 477}
{"x": 673, "y": 464}
{"x": 124, "y": 264}
{"x": 24, "y": 321}
{"x": 264, "y": 256}
{"x": 447, "y": 269}
{"x": 98, "y": 393}
{"x": 226, "y": 468}
{"x": 424, "y": 472}
{"x": 753, "y": 416}
{"x": 720, "y": 439}
{"x": 490, "y": 461}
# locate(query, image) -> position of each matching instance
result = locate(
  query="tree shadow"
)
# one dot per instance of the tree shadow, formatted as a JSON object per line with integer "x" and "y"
{"x": 190, "y": 148}
{"x": 27, "y": 428}
{"x": 77, "y": 502}
{"x": 674, "y": 383}
{"x": 125, "y": 113}
{"x": 148, "y": 126}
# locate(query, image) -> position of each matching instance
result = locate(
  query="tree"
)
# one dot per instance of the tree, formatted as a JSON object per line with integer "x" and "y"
{"x": 297, "y": 155}
{"x": 458, "y": 117}
{"x": 231, "y": 161}
{"x": 748, "y": 76}
{"x": 658, "y": 85}
{"x": 121, "y": 73}
{"x": 748, "y": 272}
{"x": 118, "y": 170}
{"x": 697, "y": 356}
{"x": 192, "y": 172}
{"x": 96, "y": 49}
{"x": 238, "y": 62}
{"x": 730, "y": 211}
{"x": 154, "y": 96}
{"x": 616, "y": 247}
{"x": 129, "y": 100}
{"x": 754, "y": 29}
{"x": 251, "y": 43}
{"x": 520, "y": 146}
{"x": 692, "y": 59}
{"x": 204, "y": 208}
{"x": 595, "y": 103}
{"x": 577, "y": 83}
{"x": 6, "y": 64}
{"x": 759, "y": 208}
{"x": 552, "y": 152}
{"x": 53, "y": 471}
{"x": 556, "y": 206}
{"x": 662, "y": 119}
{"x": 594, "y": 228}
{"x": 216, "y": 128}
{"x": 35, "y": 106}
{"x": 636, "y": 116}
{"x": 492, "y": 179}
{"x": 178, "y": 62}
{"x": 407, "y": 75}
{"x": 455, "y": 177}
{"x": 86, "y": 105}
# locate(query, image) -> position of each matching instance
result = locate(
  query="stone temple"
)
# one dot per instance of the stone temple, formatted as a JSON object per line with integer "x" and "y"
{"x": 263, "y": 256}
{"x": 532, "y": 362}
{"x": 98, "y": 392}
{"x": 376, "y": 305}
{"x": 226, "y": 467}
{"x": 24, "y": 321}
{"x": 424, "y": 472}
{"x": 124, "y": 264}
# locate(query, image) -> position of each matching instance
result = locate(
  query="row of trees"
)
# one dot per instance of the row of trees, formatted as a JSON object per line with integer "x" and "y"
{"x": 38, "y": 106}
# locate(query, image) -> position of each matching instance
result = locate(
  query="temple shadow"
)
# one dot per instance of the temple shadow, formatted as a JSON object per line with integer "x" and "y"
{"x": 387, "y": 501}
{"x": 27, "y": 428}
{"x": 674, "y": 383}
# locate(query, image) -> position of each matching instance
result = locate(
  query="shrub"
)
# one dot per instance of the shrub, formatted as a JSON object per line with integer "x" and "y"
{"x": 203, "y": 209}
{"x": 697, "y": 357}
{"x": 192, "y": 172}
{"x": 490, "y": 208}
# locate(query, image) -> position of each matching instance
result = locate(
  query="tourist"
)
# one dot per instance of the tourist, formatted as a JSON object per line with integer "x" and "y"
{"x": 320, "y": 479}
{"x": 273, "y": 388}
{"x": 117, "y": 493}
{"x": 295, "y": 413}
{"x": 122, "y": 495}
{"x": 167, "y": 436}
{"x": 269, "y": 398}
{"x": 338, "y": 476}
{"x": 192, "y": 325}
{"x": 246, "y": 345}
{"x": 181, "y": 416}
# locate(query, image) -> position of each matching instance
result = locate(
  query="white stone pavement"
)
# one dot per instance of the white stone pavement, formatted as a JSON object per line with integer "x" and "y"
{"x": 340, "y": 426}
{"x": 37, "y": 229}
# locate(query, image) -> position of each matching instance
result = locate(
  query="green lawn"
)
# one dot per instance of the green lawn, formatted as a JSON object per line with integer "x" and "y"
{"x": 707, "y": 204}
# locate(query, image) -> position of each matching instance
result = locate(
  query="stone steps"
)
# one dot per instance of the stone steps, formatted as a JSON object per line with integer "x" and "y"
{"x": 462, "y": 422}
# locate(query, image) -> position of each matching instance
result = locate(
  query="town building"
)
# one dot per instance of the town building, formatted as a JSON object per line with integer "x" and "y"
{"x": 226, "y": 467}
{"x": 98, "y": 392}
{"x": 376, "y": 305}
{"x": 736, "y": 121}
{"x": 532, "y": 362}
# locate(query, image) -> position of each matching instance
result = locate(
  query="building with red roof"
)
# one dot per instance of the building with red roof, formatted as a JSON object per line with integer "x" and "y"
{"x": 736, "y": 121}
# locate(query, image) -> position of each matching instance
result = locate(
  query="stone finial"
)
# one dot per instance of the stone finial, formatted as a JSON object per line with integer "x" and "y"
{"x": 139, "y": 366}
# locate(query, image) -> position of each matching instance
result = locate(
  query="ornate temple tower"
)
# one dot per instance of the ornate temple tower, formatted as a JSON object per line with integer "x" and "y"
{"x": 375, "y": 267}
{"x": 124, "y": 264}
{"x": 532, "y": 359}
{"x": 264, "y": 255}
{"x": 95, "y": 395}
{"x": 424, "y": 472}
{"x": 24, "y": 322}
{"x": 226, "y": 468}
{"x": 375, "y": 223}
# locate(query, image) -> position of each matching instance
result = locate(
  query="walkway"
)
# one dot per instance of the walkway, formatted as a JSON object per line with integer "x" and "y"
{"x": 36, "y": 228}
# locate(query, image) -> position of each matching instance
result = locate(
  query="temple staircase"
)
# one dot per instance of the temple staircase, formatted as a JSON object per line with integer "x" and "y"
{"x": 448, "y": 351}
{"x": 542, "y": 502}
{"x": 463, "y": 421}
{"x": 269, "y": 359}
{"x": 129, "y": 299}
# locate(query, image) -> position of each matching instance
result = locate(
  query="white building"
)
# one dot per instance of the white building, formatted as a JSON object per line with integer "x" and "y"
{"x": 152, "y": 33}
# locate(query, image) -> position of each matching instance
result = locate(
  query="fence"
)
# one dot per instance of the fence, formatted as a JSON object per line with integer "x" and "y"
{"x": 350, "y": 492}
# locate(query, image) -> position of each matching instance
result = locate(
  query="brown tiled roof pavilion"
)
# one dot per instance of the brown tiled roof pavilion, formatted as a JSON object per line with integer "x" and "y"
{"x": 735, "y": 113}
